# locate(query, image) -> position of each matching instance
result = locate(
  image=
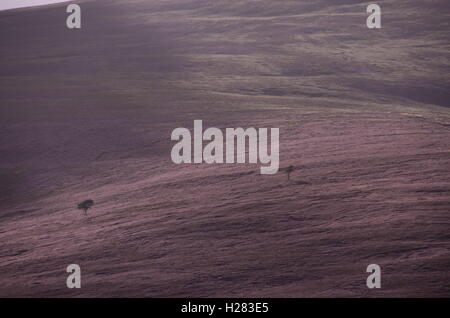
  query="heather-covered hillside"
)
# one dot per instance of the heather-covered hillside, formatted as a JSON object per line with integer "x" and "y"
{"x": 363, "y": 114}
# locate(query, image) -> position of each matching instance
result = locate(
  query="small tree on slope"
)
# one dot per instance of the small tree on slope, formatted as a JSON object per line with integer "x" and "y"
{"x": 86, "y": 205}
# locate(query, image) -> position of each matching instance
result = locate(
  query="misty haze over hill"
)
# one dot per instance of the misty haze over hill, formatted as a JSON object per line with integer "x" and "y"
{"x": 363, "y": 114}
{"x": 12, "y": 4}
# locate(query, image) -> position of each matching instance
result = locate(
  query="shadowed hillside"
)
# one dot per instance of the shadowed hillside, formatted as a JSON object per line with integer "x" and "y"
{"x": 363, "y": 114}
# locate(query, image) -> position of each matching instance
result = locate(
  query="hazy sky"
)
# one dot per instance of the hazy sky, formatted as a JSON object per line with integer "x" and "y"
{"x": 10, "y": 4}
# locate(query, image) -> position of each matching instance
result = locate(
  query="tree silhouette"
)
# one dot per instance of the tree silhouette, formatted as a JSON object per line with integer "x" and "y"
{"x": 289, "y": 170}
{"x": 86, "y": 205}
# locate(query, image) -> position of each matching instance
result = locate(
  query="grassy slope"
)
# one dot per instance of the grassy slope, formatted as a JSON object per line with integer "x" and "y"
{"x": 363, "y": 117}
